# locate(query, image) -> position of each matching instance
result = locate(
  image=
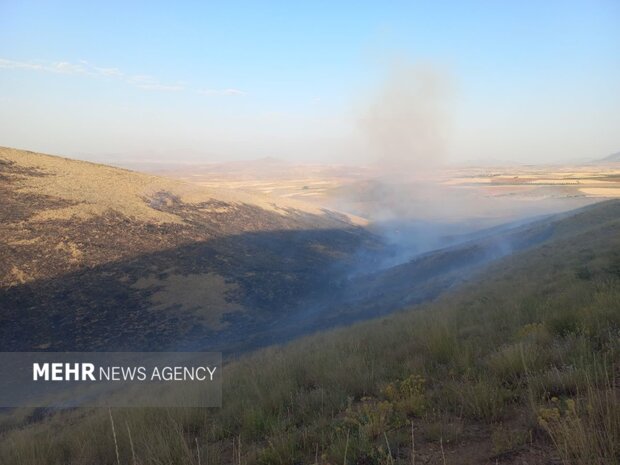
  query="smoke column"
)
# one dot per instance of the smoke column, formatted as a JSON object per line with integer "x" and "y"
{"x": 406, "y": 123}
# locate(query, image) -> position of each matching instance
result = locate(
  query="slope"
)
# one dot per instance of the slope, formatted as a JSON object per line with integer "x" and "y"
{"x": 518, "y": 365}
{"x": 98, "y": 257}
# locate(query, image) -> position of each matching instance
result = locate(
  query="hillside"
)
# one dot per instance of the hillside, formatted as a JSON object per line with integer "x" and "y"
{"x": 378, "y": 288}
{"x": 520, "y": 364}
{"x": 505, "y": 352}
{"x": 100, "y": 257}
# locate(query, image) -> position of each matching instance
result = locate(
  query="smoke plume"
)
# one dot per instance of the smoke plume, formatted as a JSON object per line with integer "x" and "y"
{"x": 406, "y": 124}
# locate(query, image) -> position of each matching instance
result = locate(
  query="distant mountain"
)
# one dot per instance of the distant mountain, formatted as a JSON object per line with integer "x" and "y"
{"x": 613, "y": 158}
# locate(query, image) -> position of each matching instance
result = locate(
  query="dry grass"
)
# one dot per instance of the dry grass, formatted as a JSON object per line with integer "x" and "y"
{"x": 519, "y": 363}
{"x": 96, "y": 189}
{"x": 526, "y": 353}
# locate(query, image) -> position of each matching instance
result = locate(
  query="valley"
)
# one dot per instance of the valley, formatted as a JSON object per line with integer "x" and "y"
{"x": 109, "y": 259}
{"x": 482, "y": 341}
{"x": 311, "y": 233}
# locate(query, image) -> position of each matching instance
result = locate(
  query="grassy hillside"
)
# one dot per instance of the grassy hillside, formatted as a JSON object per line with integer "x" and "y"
{"x": 95, "y": 257}
{"x": 521, "y": 364}
{"x": 98, "y": 258}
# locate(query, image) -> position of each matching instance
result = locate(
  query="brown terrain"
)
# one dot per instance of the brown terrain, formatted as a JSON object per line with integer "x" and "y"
{"x": 100, "y": 257}
{"x": 492, "y": 195}
{"x": 505, "y": 350}
{"x": 96, "y": 257}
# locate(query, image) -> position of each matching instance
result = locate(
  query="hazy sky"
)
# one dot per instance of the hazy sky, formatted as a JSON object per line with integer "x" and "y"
{"x": 207, "y": 81}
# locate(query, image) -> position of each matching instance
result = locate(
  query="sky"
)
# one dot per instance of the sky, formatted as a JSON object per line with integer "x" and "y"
{"x": 520, "y": 81}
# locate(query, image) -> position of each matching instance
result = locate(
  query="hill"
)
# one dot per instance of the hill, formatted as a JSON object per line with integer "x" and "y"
{"x": 613, "y": 158}
{"x": 518, "y": 364}
{"x": 100, "y": 257}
